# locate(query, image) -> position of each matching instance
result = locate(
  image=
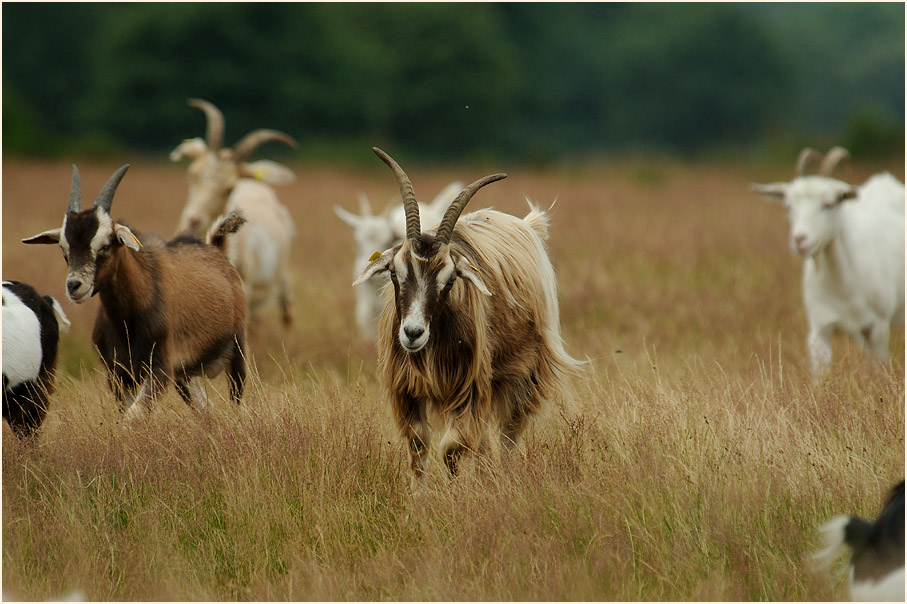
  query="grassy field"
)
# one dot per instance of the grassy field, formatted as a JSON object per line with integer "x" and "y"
{"x": 693, "y": 461}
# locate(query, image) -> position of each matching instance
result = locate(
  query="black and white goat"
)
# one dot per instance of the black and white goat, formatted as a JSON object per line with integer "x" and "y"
{"x": 877, "y": 559}
{"x": 31, "y": 330}
{"x": 169, "y": 311}
{"x": 470, "y": 331}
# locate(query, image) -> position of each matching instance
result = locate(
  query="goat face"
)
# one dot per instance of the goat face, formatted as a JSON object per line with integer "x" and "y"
{"x": 425, "y": 267}
{"x": 212, "y": 177}
{"x": 811, "y": 203}
{"x": 88, "y": 238}
{"x": 422, "y": 281}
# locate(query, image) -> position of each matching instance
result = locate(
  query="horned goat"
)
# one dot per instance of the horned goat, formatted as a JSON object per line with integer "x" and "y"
{"x": 31, "y": 331}
{"x": 470, "y": 331}
{"x": 169, "y": 311}
{"x": 852, "y": 243}
{"x": 221, "y": 181}
{"x": 379, "y": 232}
{"x": 876, "y": 566}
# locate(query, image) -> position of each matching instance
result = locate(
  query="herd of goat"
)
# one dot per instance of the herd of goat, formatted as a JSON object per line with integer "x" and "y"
{"x": 463, "y": 307}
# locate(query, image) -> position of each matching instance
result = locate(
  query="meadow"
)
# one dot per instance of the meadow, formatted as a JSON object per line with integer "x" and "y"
{"x": 692, "y": 461}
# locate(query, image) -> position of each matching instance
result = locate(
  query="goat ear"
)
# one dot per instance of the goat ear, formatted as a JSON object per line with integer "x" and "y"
{"x": 192, "y": 147}
{"x": 126, "y": 237}
{"x": 47, "y": 237}
{"x": 775, "y": 191}
{"x": 346, "y": 216}
{"x": 378, "y": 264}
{"x": 467, "y": 271}
{"x": 267, "y": 171}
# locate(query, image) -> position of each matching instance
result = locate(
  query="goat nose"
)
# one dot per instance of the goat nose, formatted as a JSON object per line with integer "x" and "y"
{"x": 413, "y": 333}
{"x": 73, "y": 286}
{"x": 799, "y": 238}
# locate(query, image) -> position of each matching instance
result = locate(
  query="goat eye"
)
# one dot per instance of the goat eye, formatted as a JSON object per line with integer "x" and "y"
{"x": 104, "y": 248}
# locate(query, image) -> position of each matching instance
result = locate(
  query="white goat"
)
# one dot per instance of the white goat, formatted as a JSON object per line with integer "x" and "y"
{"x": 852, "y": 243}
{"x": 220, "y": 182}
{"x": 374, "y": 233}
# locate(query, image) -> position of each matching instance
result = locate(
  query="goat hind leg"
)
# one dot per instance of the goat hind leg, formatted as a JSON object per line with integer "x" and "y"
{"x": 236, "y": 372}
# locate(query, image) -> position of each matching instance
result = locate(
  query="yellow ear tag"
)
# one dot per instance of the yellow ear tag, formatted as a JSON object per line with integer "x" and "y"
{"x": 374, "y": 256}
{"x": 475, "y": 269}
{"x": 136, "y": 239}
{"x": 259, "y": 174}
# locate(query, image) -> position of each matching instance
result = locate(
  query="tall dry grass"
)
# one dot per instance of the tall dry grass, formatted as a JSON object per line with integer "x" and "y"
{"x": 692, "y": 462}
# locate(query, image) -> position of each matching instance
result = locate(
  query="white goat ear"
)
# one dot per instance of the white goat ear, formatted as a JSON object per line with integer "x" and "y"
{"x": 126, "y": 237}
{"x": 267, "y": 171}
{"x": 47, "y": 237}
{"x": 378, "y": 264}
{"x": 346, "y": 216}
{"x": 62, "y": 320}
{"x": 467, "y": 271}
{"x": 192, "y": 147}
{"x": 775, "y": 191}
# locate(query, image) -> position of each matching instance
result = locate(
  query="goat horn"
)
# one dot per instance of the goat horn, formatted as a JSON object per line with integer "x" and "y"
{"x": 215, "y": 133}
{"x": 806, "y": 155}
{"x": 256, "y": 138}
{"x": 105, "y": 197}
{"x": 410, "y": 205}
{"x": 445, "y": 230}
{"x": 832, "y": 159}
{"x": 75, "y": 191}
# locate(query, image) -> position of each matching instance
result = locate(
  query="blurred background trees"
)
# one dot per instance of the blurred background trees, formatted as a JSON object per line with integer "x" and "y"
{"x": 525, "y": 81}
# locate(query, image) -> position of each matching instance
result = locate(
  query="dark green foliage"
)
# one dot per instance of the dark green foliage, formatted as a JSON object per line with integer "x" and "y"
{"x": 449, "y": 80}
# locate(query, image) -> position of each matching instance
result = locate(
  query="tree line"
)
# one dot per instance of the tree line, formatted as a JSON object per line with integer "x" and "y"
{"x": 528, "y": 80}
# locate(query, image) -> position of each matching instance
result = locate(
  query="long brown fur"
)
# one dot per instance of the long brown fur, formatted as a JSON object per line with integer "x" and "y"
{"x": 491, "y": 362}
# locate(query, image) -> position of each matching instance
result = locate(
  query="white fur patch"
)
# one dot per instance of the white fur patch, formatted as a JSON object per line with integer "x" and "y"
{"x": 889, "y": 589}
{"x": 21, "y": 340}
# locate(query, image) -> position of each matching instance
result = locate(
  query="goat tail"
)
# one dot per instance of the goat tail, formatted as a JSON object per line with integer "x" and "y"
{"x": 223, "y": 226}
{"x": 538, "y": 219}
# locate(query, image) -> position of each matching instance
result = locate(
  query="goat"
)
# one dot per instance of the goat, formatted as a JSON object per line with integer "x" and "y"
{"x": 169, "y": 311}
{"x": 372, "y": 233}
{"x": 31, "y": 331}
{"x": 470, "y": 331}
{"x": 221, "y": 181}
{"x": 852, "y": 243}
{"x": 877, "y": 558}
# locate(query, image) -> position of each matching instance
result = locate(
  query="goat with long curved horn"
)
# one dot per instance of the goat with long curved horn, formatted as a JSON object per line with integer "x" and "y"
{"x": 410, "y": 205}
{"x": 215, "y": 132}
{"x": 834, "y": 157}
{"x": 105, "y": 196}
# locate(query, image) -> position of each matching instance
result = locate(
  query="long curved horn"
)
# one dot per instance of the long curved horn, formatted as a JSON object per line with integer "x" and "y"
{"x": 105, "y": 197}
{"x": 215, "y": 133}
{"x": 806, "y": 155}
{"x": 410, "y": 205}
{"x": 445, "y": 229}
{"x": 832, "y": 159}
{"x": 256, "y": 138}
{"x": 75, "y": 191}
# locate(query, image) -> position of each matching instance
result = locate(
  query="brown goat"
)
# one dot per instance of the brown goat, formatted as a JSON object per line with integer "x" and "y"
{"x": 470, "y": 332}
{"x": 169, "y": 311}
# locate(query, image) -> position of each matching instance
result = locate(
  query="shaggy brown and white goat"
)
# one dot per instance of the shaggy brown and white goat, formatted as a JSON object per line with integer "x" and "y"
{"x": 169, "y": 311}
{"x": 470, "y": 332}
{"x": 221, "y": 181}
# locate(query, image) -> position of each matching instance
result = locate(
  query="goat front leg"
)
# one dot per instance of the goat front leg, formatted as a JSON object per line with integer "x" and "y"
{"x": 818, "y": 342}
{"x": 875, "y": 339}
{"x": 411, "y": 419}
{"x": 155, "y": 378}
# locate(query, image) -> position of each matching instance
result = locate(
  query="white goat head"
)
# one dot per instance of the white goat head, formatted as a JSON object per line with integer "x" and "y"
{"x": 811, "y": 201}
{"x": 424, "y": 267}
{"x": 87, "y": 238}
{"x": 215, "y": 170}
